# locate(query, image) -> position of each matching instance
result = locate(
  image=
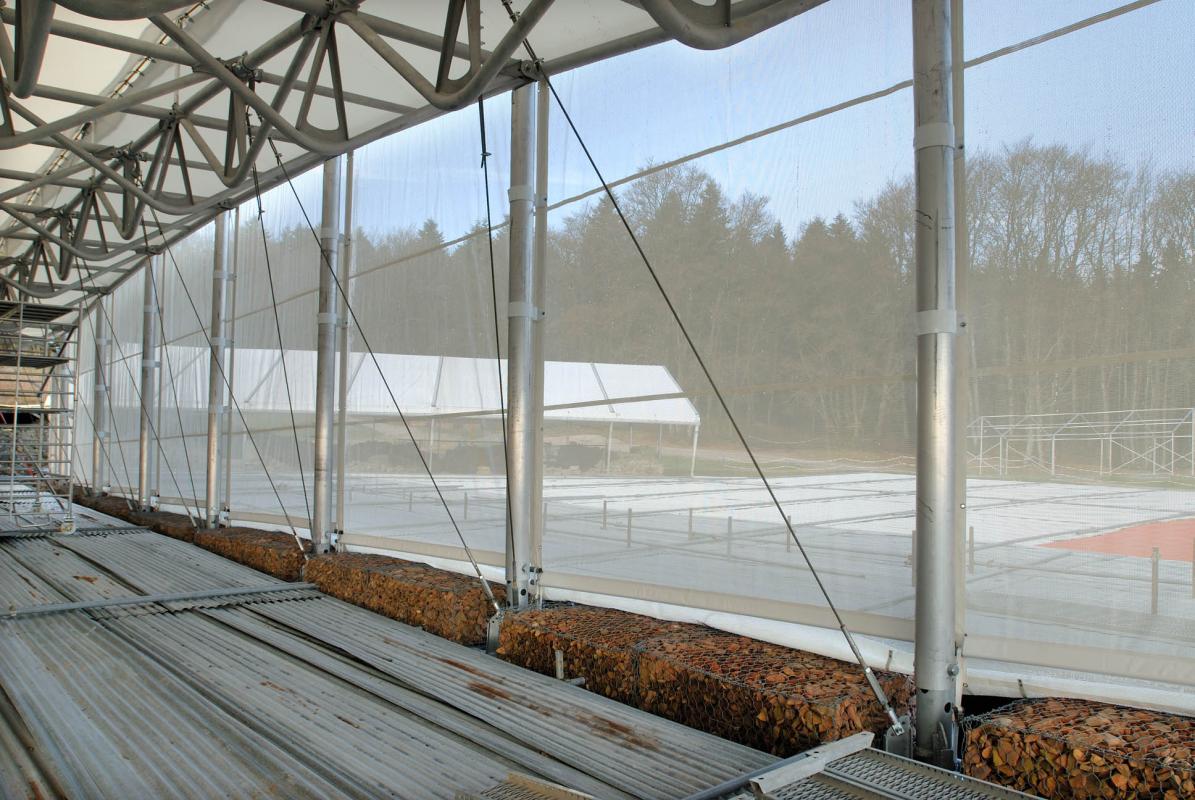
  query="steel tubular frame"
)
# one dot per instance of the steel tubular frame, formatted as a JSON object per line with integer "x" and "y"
{"x": 103, "y": 219}
{"x": 1153, "y": 441}
{"x": 137, "y": 172}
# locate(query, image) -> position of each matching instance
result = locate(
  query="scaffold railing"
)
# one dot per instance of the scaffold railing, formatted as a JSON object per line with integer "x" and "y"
{"x": 37, "y": 393}
{"x": 1150, "y": 441}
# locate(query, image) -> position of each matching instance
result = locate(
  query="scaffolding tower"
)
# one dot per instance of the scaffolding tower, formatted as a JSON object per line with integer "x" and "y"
{"x": 1137, "y": 442}
{"x": 37, "y": 399}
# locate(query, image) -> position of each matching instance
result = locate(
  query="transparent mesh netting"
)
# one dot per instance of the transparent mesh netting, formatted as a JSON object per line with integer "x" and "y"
{"x": 421, "y": 293}
{"x": 185, "y": 278}
{"x": 121, "y": 323}
{"x": 776, "y": 206}
{"x": 1080, "y": 348}
{"x": 270, "y": 378}
{"x": 779, "y": 234}
{"x": 1077, "y": 749}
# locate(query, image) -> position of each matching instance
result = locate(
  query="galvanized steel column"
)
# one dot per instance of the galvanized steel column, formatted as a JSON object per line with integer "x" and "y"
{"x": 146, "y": 444}
{"x": 99, "y": 404}
{"x": 539, "y": 266}
{"x": 962, "y": 341}
{"x": 935, "y": 654}
{"x": 217, "y": 395}
{"x": 342, "y": 345}
{"x": 325, "y": 349}
{"x": 523, "y": 317}
{"x": 224, "y": 472}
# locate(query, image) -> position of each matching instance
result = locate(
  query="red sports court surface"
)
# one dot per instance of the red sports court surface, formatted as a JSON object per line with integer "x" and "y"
{"x": 1174, "y": 539}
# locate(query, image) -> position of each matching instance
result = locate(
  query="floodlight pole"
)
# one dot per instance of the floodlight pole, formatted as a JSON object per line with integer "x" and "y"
{"x": 217, "y": 395}
{"x": 935, "y": 647}
{"x": 327, "y": 335}
{"x": 146, "y": 450}
{"x": 99, "y": 405}
{"x": 524, "y": 317}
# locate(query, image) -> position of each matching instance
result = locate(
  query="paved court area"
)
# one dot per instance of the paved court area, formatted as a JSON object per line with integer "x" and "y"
{"x": 723, "y": 535}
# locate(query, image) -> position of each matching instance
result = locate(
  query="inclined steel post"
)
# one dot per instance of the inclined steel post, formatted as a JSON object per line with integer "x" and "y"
{"x": 146, "y": 444}
{"x": 935, "y": 651}
{"x": 217, "y": 395}
{"x": 325, "y": 349}
{"x": 99, "y": 405}
{"x": 523, "y": 316}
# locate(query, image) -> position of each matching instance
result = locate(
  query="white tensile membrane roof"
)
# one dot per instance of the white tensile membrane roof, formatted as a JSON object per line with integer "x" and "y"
{"x": 378, "y": 101}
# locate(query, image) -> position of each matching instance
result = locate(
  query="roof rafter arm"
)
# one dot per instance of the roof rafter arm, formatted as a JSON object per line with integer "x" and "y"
{"x": 712, "y": 27}
{"x": 113, "y": 106}
{"x": 470, "y": 86}
{"x": 269, "y": 114}
{"x": 122, "y": 9}
{"x": 32, "y": 27}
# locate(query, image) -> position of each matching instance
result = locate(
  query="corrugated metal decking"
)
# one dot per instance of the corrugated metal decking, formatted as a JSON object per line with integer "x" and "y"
{"x": 286, "y": 694}
{"x": 280, "y": 691}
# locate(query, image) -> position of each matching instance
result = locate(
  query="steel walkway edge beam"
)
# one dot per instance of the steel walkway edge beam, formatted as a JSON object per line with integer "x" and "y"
{"x": 149, "y": 599}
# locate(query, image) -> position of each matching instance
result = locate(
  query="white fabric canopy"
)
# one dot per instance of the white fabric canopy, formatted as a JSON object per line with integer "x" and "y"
{"x": 441, "y": 385}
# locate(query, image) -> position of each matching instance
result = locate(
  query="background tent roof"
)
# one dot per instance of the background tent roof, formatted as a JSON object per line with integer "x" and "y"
{"x": 439, "y": 385}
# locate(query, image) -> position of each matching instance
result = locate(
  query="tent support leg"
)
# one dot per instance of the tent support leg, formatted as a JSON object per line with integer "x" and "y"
{"x": 217, "y": 398}
{"x": 539, "y": 297}
{"x": 99, "y": 404}
{"x": 936, "y": 653}
{"x": 342, "y": 346}
{"x": 325, "y": 353}
{"x": 523, "y": 317}
{"x": 225, "y": 499}
{"x": 146, "y": 452}
{"x": 693, "y": 457}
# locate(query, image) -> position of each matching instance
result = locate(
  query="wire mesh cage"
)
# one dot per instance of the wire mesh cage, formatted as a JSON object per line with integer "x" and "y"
{"x": 771, "y": 697}
{"x": 1061, "y": 748}
{"x": 272, "y": 552}
{"x": 444, "y": 603}
{"x": 599, "y": 644}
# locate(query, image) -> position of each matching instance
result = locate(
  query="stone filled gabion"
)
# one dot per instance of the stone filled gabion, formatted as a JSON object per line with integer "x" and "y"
{"x": 272, "y": 552}
{"x": 770, "y": 697}
{"x": 1082, "y": 750}
{"x": 447, "y": 604}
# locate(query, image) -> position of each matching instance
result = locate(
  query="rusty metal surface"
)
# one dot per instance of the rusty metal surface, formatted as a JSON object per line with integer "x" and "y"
{"x": 644, "y": 755}
{"x": 287, "y": 695}
{"x": 107, "y": 722}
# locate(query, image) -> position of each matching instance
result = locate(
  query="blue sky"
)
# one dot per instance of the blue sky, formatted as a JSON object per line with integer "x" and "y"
{"x": 1120, "y": 87}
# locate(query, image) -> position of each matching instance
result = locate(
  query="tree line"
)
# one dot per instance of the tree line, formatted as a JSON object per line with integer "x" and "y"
{"x": 1081, "y": 270}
